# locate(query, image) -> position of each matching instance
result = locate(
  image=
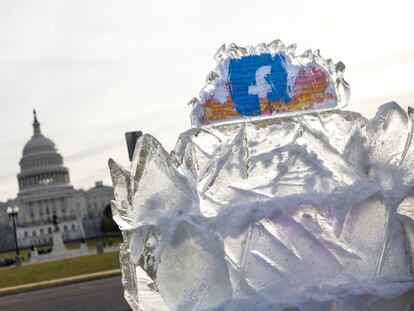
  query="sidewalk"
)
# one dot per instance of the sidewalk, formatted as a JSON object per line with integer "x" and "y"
{"x": 59, "y": 282}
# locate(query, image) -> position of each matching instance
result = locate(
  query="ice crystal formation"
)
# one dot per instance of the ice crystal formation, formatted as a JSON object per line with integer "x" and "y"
{"x": 311, "y": 211}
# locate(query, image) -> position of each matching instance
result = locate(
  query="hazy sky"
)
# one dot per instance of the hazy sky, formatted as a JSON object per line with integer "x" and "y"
{"x": 95, "y": 69}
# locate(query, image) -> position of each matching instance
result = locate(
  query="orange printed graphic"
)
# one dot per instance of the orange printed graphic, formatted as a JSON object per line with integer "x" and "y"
{"x": 310, "y": 88}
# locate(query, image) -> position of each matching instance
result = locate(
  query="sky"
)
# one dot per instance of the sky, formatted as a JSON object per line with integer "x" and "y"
{"x": 96, "y": 69}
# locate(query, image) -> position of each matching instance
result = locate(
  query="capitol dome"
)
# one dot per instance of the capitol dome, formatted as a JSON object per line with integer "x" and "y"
{"x": 38, "y": 143}
{"x": 41, "y": 164}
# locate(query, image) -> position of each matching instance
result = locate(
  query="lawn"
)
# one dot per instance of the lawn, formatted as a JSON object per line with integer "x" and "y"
{"x": 58, "y": 269}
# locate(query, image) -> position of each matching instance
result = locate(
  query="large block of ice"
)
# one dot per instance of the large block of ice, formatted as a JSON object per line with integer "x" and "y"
{"x": 270, "y": 208}
{"x": 312, "y": 211}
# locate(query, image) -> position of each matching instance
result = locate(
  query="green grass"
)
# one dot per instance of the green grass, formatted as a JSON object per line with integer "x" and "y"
{"x": 24, "y": 253}
{"x": 52, "y": 270}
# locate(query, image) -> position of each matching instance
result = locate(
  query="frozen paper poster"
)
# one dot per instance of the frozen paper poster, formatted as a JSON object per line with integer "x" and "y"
{"x": 268, "y": 80}
{"x": 256, "y": 82}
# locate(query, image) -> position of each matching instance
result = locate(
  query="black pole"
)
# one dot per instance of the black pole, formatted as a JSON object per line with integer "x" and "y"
{"x": 131, "y": 140}
{"x": 18, "y": 261}
{"x": 15, "y": 235}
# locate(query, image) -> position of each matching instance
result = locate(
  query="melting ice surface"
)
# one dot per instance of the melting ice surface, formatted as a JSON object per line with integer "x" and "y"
{"x": 308, "y": 212}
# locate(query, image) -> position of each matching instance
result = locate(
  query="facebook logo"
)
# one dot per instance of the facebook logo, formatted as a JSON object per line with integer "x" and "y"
{"x": 257, "y": 77}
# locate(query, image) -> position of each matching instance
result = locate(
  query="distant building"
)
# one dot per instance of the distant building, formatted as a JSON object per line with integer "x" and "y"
{"x": 45, "y": 190}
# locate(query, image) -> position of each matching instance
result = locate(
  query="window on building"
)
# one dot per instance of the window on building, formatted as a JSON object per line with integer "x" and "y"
{"x": 41, "y": 231}
{"x": 26, "y": 234}
{"x": 63, "y": 205}
{"x": 65, "y": 228}
{"x": 73, "y": 227}
{"x": 34, "y": 233}
{"x": 49, "y": 230}
{"x": 31, "y": 210}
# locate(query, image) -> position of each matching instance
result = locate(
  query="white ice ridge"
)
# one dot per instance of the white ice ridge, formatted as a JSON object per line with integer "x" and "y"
{"x": 306, "y": 212}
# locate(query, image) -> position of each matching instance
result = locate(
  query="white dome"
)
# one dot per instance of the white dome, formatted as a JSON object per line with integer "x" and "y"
{"x": 41, "y": 164}
{"x": 39, "y": 143}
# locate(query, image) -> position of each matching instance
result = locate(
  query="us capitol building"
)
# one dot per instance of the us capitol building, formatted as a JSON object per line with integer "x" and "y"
{"x": 45, "y": 191}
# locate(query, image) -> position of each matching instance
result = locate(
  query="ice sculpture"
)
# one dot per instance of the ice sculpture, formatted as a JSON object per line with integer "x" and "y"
{"x": 307, "y": 211}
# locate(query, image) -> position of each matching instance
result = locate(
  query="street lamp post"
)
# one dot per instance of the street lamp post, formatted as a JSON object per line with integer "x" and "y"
{"x": 13, "y": 212}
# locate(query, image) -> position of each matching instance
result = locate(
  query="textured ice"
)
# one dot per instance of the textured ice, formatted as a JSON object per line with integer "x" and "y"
{"x": 306, "y": 212}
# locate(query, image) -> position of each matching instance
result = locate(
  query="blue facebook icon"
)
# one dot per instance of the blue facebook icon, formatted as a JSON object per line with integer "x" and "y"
{"x": 257, "y": 76}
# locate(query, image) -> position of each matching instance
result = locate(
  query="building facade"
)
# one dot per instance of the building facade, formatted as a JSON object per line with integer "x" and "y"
{"x": 45, "y": 190}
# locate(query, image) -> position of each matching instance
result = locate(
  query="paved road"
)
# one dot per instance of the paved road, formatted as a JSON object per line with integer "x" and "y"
{"x": 100, "y": 295}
